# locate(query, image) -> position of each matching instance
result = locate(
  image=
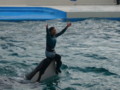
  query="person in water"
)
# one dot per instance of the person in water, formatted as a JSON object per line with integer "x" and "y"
{"x": 51, "y": 39}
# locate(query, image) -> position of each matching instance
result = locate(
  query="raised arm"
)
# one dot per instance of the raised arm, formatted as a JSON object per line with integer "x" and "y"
{"x": 47, "y": 30}
{"x": 60, "y": 33}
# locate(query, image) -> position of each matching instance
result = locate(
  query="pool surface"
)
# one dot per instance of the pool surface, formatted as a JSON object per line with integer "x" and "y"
{"x": 90, "y": 51}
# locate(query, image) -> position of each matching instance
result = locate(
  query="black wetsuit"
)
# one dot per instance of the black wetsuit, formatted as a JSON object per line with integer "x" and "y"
{"x": 118, "y": 2}
{"x": 51, "y": 43}
{"x": 50, "y": 47}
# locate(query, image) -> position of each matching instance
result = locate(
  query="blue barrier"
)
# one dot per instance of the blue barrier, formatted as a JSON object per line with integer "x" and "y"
{"x": 37, "y": 13}
{"x": 30, "y": 13}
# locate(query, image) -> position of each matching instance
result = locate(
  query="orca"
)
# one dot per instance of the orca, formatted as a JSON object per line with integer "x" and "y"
{"x": 45, "y": 70}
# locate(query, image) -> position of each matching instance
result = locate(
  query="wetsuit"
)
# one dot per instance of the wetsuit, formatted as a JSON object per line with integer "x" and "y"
{"x": 50, "y": 47}
{"x": 118, "y": 2}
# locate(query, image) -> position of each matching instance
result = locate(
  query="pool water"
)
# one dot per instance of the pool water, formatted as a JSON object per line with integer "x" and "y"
{"x": 90, "y": 51}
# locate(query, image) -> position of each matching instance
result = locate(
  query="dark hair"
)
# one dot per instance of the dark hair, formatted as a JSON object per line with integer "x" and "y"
{"x": 51, "y": 28}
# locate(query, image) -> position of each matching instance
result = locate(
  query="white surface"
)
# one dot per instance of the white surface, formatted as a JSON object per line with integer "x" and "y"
{"x": 49, "y": 72}
{"x": 90, "y": 11}
{"x": 35, "y": 78}
{"x": 88, "y": 8}
{"x": 55, "y": 2}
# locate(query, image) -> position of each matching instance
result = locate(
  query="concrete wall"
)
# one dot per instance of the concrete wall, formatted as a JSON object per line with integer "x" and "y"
{"x": 54, "y": 2}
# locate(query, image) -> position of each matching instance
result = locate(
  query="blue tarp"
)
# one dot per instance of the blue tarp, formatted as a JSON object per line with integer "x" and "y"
{"x": 30, "y": 13}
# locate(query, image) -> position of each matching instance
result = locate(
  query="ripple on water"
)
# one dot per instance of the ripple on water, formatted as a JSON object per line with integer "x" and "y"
{"x": 90, "y": 53}
{"x": 102, "y": 71}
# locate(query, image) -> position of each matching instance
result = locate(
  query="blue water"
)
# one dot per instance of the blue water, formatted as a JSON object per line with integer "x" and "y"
{"x": 90, "y": 52}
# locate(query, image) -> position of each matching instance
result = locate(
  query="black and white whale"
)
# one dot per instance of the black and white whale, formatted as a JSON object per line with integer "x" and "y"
{"x": 45, "y": 70}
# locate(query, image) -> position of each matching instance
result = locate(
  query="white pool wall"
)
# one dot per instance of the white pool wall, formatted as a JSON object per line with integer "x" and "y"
{"x": 55, "y": 2}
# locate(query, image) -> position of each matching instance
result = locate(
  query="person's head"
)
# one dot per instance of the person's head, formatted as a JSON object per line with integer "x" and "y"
{"x": 52, "y": 31}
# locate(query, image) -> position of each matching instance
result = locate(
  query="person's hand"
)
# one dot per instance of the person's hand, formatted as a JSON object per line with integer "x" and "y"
{"x": 46, "y": 25}
{"x": 69, "y": 24}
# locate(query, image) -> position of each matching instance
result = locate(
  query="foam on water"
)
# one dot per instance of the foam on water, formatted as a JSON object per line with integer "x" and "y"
{"x": 90, "y": 54}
